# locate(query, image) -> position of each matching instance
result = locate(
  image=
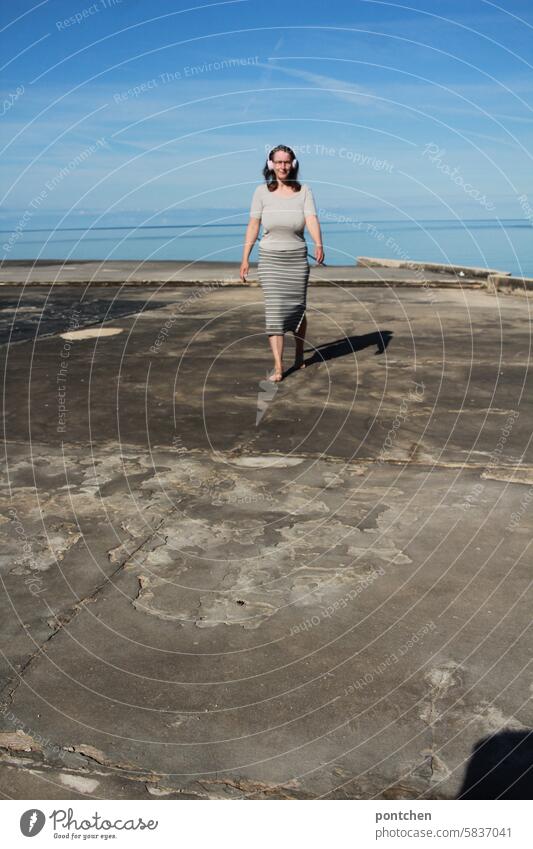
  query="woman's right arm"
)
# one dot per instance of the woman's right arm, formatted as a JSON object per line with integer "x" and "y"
{"x": 252, "y": 232}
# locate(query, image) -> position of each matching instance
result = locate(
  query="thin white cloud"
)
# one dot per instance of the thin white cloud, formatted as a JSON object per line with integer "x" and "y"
{"x": 497, "y": 139}
{"x": 341, "y": 89}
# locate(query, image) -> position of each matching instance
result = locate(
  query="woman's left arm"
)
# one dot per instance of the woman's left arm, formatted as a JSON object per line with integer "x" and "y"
{"x": 313, "y": 225}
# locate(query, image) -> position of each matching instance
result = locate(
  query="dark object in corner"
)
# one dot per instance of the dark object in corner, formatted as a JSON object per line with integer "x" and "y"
{"x": 500, "y": 767}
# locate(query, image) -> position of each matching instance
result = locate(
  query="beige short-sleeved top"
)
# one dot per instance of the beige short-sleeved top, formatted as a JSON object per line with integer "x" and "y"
{"x": 283, "y": 218}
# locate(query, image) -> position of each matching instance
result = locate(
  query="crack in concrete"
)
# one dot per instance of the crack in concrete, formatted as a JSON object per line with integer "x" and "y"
{"x": 64, "y": 618}
{"x": 364, "y": 462}
{"x": 154, "y": 782}
{"x": 132, "y": 774}
{"x": 358, "y": 465}
{"x": 94, "y": 754}
{"x": 247, "y": 787}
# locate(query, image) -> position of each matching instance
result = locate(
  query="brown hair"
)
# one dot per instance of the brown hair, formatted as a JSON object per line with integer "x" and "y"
{"x": 270, "y": 175}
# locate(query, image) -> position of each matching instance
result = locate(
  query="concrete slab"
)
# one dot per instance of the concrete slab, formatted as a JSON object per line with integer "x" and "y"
{"x": 191, "y": 272}
{"x": 217, "y": 588}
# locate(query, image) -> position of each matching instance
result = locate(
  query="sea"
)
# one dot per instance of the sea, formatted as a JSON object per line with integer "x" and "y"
{"x": 505, "y": 245}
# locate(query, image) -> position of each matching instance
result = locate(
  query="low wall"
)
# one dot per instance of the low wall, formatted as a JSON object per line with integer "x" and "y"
{"x": 461, "y": 270}
{"x": 504, "y": 283}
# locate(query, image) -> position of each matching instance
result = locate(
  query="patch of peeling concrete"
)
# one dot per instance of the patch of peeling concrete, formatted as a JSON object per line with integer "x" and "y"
{"x": 95, "y": 754}
{"x": 268, "y": 461}
{"x": 243, "y": 573}
{"x": 46, "y": 549}
{"x": 18, "y": 741}
{"x": 92, "y": 333}
{"x": 79, "y": 783}
{"x": 492, "y": 719}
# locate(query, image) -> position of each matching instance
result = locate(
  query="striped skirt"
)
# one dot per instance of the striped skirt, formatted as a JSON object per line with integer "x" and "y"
{"x": 283, "y": 276}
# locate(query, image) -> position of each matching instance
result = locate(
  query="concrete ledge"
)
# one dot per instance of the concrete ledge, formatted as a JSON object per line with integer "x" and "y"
{"x": 180, "y": 273}
{"x": 516, "y": 285}
{"x": 463, "y": 270}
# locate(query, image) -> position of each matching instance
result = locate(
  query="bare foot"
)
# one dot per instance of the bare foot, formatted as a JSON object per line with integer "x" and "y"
{"x": 276, "y": 376}
{"x": 299, "y": 362}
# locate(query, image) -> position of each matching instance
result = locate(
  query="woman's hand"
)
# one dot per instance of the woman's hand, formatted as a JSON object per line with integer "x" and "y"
{"x": 319, "y": 253}
{"x": 244, "y": 270}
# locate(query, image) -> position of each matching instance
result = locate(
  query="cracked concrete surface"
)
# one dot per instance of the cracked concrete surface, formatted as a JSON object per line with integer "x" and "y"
{"x": 330, "y": 603}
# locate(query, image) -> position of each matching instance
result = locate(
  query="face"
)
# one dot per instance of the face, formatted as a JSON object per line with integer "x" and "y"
{"x": 282, "y": 164}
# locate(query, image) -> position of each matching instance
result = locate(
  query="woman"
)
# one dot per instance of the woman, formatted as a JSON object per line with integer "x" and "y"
{"x": 284, "y": 206}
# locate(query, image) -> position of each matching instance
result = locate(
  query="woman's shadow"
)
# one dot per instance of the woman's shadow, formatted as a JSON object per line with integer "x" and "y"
{"x": 347, "y": 345}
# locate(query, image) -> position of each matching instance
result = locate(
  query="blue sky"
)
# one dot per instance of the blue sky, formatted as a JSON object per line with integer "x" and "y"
{"x": 119, "y": 109}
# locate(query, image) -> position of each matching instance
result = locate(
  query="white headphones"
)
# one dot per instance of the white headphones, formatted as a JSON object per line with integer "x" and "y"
{"x": 270, "y": 164}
